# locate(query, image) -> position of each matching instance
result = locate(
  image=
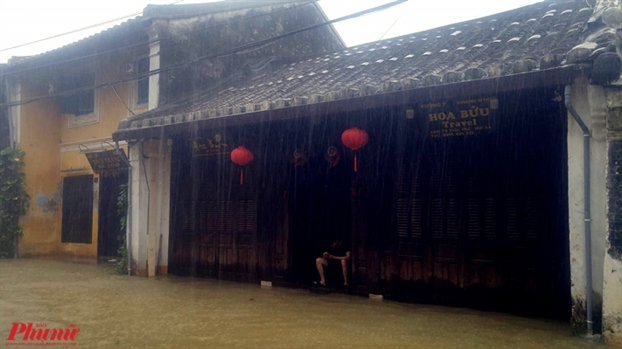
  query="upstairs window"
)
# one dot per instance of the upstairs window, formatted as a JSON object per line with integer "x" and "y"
{"x": 143, "y": 83}
{"x": 81, "y": 102}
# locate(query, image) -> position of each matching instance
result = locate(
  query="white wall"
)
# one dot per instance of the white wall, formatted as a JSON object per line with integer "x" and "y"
{"x": 587, "y": 101}
{"x": 139, "y": 194}
{"x": 151, "y": 173}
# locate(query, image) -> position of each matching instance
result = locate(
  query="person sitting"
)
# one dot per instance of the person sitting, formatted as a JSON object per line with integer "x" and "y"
{"x": 335, "y": 253}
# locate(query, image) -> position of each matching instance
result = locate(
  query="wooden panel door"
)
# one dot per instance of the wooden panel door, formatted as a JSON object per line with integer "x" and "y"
{"x": 245, "y": 235}
{"x": 479, "y": 220}
{"x": 218, "y": 222}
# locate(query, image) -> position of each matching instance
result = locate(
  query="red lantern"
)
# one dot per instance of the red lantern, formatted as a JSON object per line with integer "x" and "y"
{"x": 354, "y": 138}
{"x": 241, "y": 156}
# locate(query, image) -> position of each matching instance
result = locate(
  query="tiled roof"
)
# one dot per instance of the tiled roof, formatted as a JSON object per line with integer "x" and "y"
{"x": 531, "y": 38}
{"x": 117, "y": 35}
{"x": 67, "y": 51}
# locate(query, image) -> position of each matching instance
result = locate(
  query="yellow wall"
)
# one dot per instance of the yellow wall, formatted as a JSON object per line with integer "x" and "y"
{"x": 39, "y": 138}
{"x": 110, "y": 109}
{"x": 53, "y": 152}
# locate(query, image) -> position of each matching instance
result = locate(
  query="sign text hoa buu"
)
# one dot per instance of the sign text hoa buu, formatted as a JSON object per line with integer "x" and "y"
{"x": 460, "y": 118}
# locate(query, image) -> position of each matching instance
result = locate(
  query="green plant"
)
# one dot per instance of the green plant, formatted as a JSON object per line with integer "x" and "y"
{"x": 121, "y": 266}
{"x": 13, "y": 199}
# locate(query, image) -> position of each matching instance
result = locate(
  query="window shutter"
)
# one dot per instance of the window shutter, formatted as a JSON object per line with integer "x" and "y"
{"x": 402, "y": 206}
{"x": 82, "y": 102}
{"x": 86, "y": 99}
{"x": 203, "y": 212}
{"x": 143, "y": 83}
{"x": 86, "y": 102}
{"x": 68, "y": 104}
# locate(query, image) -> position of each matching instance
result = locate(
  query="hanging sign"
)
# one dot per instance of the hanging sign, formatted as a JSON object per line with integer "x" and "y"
{"x": 107, "y": 162}
{"x": 466, "y": 117}
{"x": 214, "y": 144}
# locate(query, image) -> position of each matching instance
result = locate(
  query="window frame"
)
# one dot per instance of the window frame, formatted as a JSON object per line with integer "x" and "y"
{"x": 73, "y": 104}
{"x": 133, "y": 85}
{"x": 82, "y": 119}
{"x": 142, "y": 100}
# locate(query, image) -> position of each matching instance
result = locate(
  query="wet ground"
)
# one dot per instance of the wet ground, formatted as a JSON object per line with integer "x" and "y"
{"x": 173, "y": 312}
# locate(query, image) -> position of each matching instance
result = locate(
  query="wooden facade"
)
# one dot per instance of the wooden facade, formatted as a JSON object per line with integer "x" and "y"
{"x": 460, "y": 214}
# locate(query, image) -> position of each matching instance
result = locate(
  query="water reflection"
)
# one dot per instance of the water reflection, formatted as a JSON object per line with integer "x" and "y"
{"x": 175, "y": 312}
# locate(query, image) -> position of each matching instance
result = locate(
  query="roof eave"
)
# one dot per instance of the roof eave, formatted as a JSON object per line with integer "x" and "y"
{"x": 55, "y": 56}
{"x": 544, "y": 78}
{"x": 332, "y": 27}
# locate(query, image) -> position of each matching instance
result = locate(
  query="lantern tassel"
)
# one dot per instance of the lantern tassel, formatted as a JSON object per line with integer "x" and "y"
{"x": 356, "y": 164}
{"x": 241, "y": 175}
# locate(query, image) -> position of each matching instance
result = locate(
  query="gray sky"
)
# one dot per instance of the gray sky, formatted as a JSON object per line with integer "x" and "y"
{"x": 23, "y": 21}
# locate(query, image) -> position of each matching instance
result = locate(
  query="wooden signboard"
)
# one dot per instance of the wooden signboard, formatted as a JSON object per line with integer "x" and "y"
{"x": 216, "y": 143}
{"x": 108, "y": 162}
{"x": 467, "y": 117}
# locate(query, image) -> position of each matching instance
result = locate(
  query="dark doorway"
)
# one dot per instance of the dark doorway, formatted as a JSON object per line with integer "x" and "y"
{"x": 320, "y": 210}
{"x": 110, "y": 233}
{"x": 77, "y": 209}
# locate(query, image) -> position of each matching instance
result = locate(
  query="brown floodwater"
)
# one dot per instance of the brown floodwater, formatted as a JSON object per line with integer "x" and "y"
{"x": 173, "y": 312}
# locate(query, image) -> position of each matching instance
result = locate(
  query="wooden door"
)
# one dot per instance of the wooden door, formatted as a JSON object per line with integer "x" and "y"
{"x": 77, "y": 224}
{"x": 227, "y": 236}
{"x": 217, "y": 230}
{"x": 479, "y": 219}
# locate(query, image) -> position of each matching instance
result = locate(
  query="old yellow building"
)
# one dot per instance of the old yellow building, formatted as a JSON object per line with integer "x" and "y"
{"x": 67, "y": 194}
{"x": 69, "y": 101}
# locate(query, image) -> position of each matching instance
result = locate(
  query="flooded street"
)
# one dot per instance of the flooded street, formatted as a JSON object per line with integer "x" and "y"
{"x": 173, "y": 312}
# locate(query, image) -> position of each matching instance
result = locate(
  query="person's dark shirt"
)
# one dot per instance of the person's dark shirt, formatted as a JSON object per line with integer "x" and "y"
{"x": 337, "y": 251}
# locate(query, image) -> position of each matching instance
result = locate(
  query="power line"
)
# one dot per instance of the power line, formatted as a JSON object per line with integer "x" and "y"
{"x": 149, "y": 42}
{"x": 80, "y": 29}
{"x": 238, "y": 49}
{"x": 392, "y": 25}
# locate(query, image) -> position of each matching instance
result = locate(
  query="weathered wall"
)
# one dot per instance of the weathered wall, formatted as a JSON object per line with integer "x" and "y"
{"x": 189, "y": 39}
{"x": 612, "y": 286}
{"x": 54, "y": 150}
{"x": 159, "y": 167}
{"x": 586, "y": 100}
{"x": 109, "y": 108}
{"x": 138, "y": 204}
{"x": 39, "y": 138}
{"x": 149, "y": 241}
